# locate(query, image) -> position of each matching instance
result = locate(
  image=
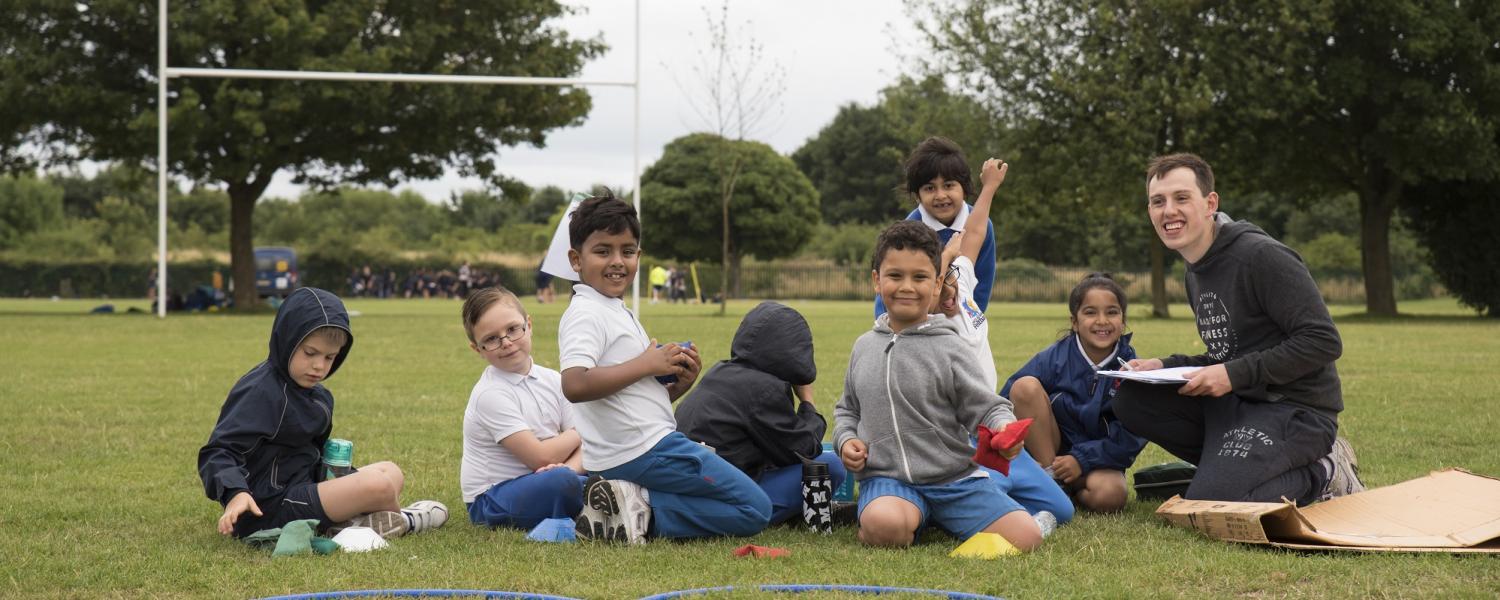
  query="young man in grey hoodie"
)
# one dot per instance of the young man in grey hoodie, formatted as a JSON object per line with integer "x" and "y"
{"x": 911, "y": 395}
{"x": 1260, "y": 419}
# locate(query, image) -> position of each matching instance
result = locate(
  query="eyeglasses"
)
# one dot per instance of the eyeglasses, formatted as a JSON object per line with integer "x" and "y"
{"x": 514, "y": 333}
{"x": 951, "y": 277}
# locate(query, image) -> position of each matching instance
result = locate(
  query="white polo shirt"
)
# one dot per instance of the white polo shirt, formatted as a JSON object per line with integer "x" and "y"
{"x": 972, "y": 324}
{"x": 503, "y": 404}
{"x": 936, "y": 225}
{"x": 598, "y": 331}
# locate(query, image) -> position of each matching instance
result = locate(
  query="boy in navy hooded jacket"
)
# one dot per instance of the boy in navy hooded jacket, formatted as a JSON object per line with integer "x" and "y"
{"x": 262, "y": 460}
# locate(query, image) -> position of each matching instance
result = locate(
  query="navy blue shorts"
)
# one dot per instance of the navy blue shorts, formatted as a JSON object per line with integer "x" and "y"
{"x": 300, "y": 502}
{"x": 962, "y": 508}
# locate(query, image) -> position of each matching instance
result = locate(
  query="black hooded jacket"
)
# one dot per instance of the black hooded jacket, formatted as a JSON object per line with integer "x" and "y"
{"x": 1260, "y": 313}
{"x": 745, "y": 407}
{"x": 270, "y": 433}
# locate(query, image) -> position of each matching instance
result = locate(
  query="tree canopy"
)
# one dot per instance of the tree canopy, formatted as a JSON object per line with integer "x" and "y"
{"x": 856, "y": 160}
{"x": 775, "y": 207}
{"x": 78, "y": 81}
{"x": 1297, "y": 99}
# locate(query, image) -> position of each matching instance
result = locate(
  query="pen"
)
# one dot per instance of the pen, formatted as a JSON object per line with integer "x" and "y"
{"x": 1124, "y": 364}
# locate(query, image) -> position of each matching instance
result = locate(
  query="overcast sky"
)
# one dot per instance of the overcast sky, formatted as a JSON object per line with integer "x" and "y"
{"x": 833, "y": 52}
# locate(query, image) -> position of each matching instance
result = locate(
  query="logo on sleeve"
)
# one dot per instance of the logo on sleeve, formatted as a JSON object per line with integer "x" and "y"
{"x": 976, "y": 316}
{"x": 1214, "y": 326}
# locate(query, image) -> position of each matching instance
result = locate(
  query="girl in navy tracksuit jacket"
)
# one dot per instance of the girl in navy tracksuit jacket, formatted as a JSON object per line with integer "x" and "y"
{"x": 1076, "y": 434}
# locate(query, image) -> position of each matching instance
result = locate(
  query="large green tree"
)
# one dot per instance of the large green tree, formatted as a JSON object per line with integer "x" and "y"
{"x": 1088, "y": 92}
{"x": 856, "y": 160}
{"x": 775, "y": 206}
{"x": 1301, "y": 99}
{"x": 1396, "y": 94}
{"x": 78, "y": 80}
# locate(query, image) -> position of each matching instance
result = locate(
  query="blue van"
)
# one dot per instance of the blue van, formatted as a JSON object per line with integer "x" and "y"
{"x": 275, "y": 271}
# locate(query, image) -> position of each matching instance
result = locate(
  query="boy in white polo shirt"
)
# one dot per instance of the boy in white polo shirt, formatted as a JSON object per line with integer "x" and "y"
{"x": 646, "y": 478}
{"x": 521, "y": 461}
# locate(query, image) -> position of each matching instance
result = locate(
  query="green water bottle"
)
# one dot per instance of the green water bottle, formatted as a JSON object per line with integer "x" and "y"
{"x": 338, "y": 458}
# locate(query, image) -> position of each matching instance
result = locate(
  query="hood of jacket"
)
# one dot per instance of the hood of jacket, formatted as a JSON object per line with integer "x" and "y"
{"x": 1230, "y": 232}
{"x": 775, "y": 339}
{"x": 934, "y": 325}
{"x": 303, "y": 311}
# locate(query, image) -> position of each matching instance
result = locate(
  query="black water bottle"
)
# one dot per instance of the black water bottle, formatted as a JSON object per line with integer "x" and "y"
{"x": 817, "y": 497}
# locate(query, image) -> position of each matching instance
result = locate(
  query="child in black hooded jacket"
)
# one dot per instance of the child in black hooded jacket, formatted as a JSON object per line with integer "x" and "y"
{"x": 756, "y": 409}
{"x": 262, "y": 460}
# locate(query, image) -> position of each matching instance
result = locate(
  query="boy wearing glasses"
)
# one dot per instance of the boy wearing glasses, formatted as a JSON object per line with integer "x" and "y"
{"x": 522, "y": 461}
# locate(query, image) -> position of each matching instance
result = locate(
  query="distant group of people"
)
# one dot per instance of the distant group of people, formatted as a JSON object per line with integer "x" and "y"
{"x": 669, "y": 283}
{"x": 922, "y": 421}
{"x": 422, "y": 283}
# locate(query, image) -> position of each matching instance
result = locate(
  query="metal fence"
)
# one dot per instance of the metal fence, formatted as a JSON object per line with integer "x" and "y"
{"x": 773, "y": 281}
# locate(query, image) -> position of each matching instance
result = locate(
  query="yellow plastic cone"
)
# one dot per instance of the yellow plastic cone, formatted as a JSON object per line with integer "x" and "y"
{"x": 988, "y": 546}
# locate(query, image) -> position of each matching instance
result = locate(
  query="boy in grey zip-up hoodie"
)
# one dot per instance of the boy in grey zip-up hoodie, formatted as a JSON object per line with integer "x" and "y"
{"x": 911, "y": 394}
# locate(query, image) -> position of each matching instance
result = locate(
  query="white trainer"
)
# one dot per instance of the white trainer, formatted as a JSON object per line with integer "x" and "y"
{"x": 425, "y": 515}
{"x": 1343, "y": 478}
{"x": 634, "y": 512}
{"x": 597, "y": 520}
{"x": 387, "y": 523}
{"x": 1045, "y": 521}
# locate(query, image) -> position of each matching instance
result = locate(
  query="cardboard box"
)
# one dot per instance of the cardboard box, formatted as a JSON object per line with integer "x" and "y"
{"x": 1451, "y": 510}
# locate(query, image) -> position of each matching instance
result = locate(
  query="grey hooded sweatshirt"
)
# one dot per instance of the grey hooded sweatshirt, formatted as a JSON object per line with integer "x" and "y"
{"x": 1261, "y": 315}
{"x": 913, "y": 398}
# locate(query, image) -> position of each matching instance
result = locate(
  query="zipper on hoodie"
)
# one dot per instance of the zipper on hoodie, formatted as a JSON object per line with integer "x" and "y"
{"x": 890, "y": 399}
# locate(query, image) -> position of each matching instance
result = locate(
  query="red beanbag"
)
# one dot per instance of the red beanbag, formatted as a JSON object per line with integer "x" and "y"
{"x": 991, "y": 443}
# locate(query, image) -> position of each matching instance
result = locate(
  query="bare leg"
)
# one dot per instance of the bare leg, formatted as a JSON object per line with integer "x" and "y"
{"x": 1018, "y": 528}
{"x": 1031, "y": 401}
{"x": 373, "y": 488}
{"x": 889, "y": 521}
{"x": 1103, "y": 491}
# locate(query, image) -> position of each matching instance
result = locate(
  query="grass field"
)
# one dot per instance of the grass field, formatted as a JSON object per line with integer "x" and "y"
{"x": 99, "y": 495}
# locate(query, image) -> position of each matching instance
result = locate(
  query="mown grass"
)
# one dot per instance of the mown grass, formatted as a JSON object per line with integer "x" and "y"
{"x": 99, "y": 495}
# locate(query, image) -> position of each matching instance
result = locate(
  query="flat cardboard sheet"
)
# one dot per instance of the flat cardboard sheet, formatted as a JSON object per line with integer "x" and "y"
{"x": 1451, "y": 510}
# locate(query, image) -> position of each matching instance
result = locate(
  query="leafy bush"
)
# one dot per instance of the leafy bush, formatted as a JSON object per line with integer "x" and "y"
{"x": 1024, "y": 269}
{"x": 847, "y": 245}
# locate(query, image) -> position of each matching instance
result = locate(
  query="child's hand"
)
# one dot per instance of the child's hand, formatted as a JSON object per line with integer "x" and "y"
{"x": 992, "y": 174}
{"x": 236, "y": 507}
{"x": 952, "y": 249}
{"x": 1066, "y": 469}
{"x": 688, "y": 366}
{"x": 1012, "y": 452}
{"x": 661, "y": 360}
{"x": 853, "y": 453}
{"x": 551, "y": 466}
{"x": 1145, "y": 364}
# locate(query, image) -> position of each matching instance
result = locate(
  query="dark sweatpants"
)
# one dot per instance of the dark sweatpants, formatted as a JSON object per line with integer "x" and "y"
{"x": 1245, "y": 451}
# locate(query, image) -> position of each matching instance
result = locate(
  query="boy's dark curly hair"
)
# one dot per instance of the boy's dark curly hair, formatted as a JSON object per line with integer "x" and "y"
{"x": 602, "y": 212}
{"x": 908, "y": 235}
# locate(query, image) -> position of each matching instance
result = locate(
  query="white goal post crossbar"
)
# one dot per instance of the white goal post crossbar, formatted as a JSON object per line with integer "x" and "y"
{"x": 165, "y": 73}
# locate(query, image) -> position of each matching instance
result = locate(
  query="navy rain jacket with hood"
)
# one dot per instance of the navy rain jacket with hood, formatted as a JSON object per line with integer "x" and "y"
{"x": 745, "y": 407}
{"x": 270, "y": 433}
{"x": 1083, "y": 404}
